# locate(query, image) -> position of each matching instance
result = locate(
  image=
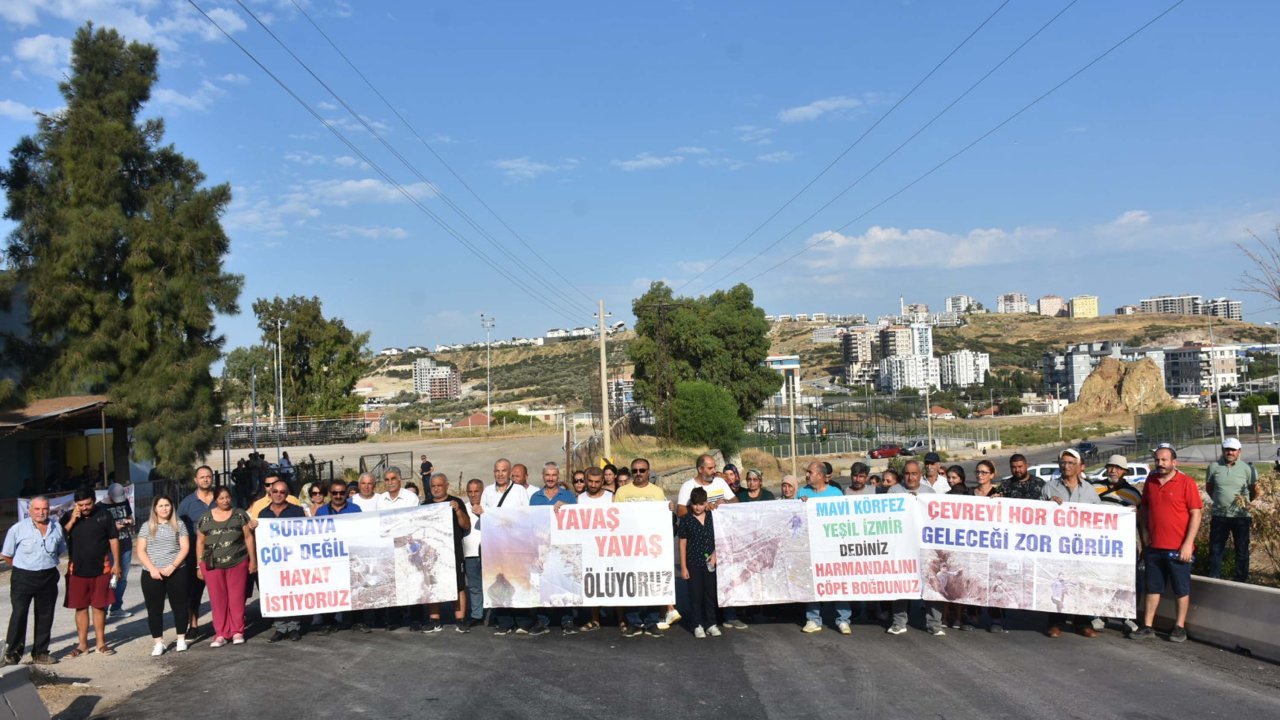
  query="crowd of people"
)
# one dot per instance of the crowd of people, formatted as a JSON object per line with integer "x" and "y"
{"x": 205, "y": 541}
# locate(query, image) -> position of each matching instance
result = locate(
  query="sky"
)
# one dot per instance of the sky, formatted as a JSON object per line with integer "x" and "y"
{"x": 585, "y": 150}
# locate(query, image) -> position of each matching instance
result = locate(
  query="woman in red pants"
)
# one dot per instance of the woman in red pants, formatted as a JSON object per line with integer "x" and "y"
{"x": 225, "y": 548}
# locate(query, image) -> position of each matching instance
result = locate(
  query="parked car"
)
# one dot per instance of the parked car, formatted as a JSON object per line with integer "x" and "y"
{"x": 886, "y": 450}
{"x": 915, "y": 447}
{"x": 1044, "y": 472}
{"x": 1136, "y": 474}
{"x": 1088, "y": 451}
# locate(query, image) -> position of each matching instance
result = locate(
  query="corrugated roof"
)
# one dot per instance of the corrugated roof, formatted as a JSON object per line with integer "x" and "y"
{"x": 51, "y": 408}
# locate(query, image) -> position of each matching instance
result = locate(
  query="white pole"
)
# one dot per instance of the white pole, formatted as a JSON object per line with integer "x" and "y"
{"x": 487, "y": 323}
{"x": 788, "y": 377}
{"x": 604, "y": 387}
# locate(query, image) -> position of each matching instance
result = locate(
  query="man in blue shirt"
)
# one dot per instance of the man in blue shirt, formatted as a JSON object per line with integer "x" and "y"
{"x": 279, "y": 507}
{"x": 551, "y": 494}
{"x": 820, "y": 487}
{"x": 190, "y": 510}
{"x": 338, "y": 504}
{"x": 33, "y": 547}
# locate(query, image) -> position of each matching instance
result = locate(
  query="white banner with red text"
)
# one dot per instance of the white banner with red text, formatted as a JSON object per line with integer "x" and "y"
{"x": 599, "y": 556}
{"x": 356, "y": 561}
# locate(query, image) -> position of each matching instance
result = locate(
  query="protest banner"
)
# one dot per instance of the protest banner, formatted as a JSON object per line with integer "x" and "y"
{"x": 599, "y": 556}
{"x": 356, "y": 561}
{"x": 1028, "y": 555}
{"x": 844, "y": 548}
{"x": 60, "y": 504}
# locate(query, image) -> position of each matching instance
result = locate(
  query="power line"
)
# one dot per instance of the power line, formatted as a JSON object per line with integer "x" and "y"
{"x": 378, "y": 169}
{"x": 561, "y": 298}
{"x": 908, "y": 141}
{"x": 437, "y": 155}
{"x": 810, "y": 245}
{"x": 847, "y": 150}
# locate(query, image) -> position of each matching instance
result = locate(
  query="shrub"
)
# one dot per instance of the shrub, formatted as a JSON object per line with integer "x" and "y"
{"x": 707, "y": 414}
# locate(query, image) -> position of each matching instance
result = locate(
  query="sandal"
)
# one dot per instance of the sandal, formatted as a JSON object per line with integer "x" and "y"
{"x": 77, "y": 652}
{"x": 104, "y": 650}
{"x": 591, "y": 625}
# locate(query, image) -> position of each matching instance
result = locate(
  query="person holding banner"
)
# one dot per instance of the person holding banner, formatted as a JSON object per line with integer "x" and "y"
{"x": 395, "y": 495}
{"x": 718, "y": 491}
{"x": 552, "y": 495}
{"x": 859, "y": 474}
{"x": 639, "y": 489}
{"x": 471, "y": 555}
{"x": 1069, "y": 486}
{"x": 1020, "y": 485}
{"x": 227, "y": 554}
{"x": 789, "y": 487}
{"x": 818, "y": 487}
{"x": 95, "y": 562}
{"x": 32, "y": 547}
{"x": 365, "y": 496}
{"x": 190, "y": 510}
{"x": 912, "y": 484}
{"x": 986, "y": 474}
{"x": 503, "y": 492}
{"x": 698, "y": 563}
{"x": 755, "y": 490}
{"x": 280, "y": 507}
{"x": 1168, "y": 519}
{"x": 163, "y": 546}
{"x": 438, "y": 492}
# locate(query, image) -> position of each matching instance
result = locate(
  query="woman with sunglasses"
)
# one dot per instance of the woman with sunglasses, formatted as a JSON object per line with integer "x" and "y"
{"x": 986, "y": 473}
{"x": 579, "y": 483}
{"x": 227, "y": 553}
{"x": 162, "y": 546}
{"x": 315, "y": 499}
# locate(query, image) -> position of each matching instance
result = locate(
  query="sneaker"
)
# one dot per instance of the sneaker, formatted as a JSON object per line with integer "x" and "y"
{"x": 1142, "y": 633}
{"x": 673, "y": 616}
{"x": 1178, "y": 634}
{"x": 361, "y": 628}
{"x": 193, "y": 634}
{"x": 844, "y": 628}
{"x": 699, "y": 633}
{"x": 539, "y": 629}
{"x": 632, "y": 632}
{"x": 811, "y": 626}
{"x": 237, "y": 639}
{"x": 997, "y": 628}
{"x": 218, "y": 642}
{"x": 1098, "y": 624}
{"x": 569, "y": 629}
{"x": 158, "y": 650}
{"x": 119, "y": 613}
{"x": 44, "y": 659}
{"x": 462, "y": 626}
{"x": 937, "y": 631}
{"x": 434, "y": 626}
{"x": 181, "y": 645}
{"x": 1130, "y": 625}
{"x": 12, "y": 660}
{"x": 967, "y": 627}
{"x": 276, "y": 637}
{"x": 294, "y": 636}
{"x": 735, "y": 624}
{"x": 896, "y": 629}
{"x": 503, "y": 631}
{"x": 521, "y": 631}
{"x": 714, "y": 631}
{"x": 653, "y": 631}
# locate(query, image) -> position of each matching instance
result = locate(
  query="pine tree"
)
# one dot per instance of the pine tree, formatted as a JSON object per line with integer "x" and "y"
{"x": 118, "y": 249}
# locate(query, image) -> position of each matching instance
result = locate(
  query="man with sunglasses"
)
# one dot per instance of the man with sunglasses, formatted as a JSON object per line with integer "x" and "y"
{"x": 32, "y": 547}
{"x": 640, "y": 489}
{"x": 338, "y": 505}
{"x": 280, "y": 507}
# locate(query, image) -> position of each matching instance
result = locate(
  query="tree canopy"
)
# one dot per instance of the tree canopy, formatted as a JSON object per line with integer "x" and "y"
{"x": 721, "y": 339}
{"x": 118, "y": 253}
{"x": 706, "y": 414}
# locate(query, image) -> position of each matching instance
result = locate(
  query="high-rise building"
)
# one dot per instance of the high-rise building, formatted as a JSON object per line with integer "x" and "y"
{"x": 435, "y": 381}
{"x": 909, "y": 371}
{"x": 855, "y": 346}
{"x": 1195, "y": 369}
{"x": 1224, "y": 308}
{"x": 964, "y": 367}
{"x": 1171, "y": 304}
{"x": 1050, "y": 305}
{"x": 921, "y": 339}
{"x": 1084, "y": 306}
{"x": 789, "y": 367}
{"x": 896, "y": 340}
{"x": 1014, "y": 303}
{"x": 959, "y": 303}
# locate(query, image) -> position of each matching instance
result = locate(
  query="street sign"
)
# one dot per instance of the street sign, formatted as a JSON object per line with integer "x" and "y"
{"x": 1238, "y": 419}
{"x": 1265, "y": 410}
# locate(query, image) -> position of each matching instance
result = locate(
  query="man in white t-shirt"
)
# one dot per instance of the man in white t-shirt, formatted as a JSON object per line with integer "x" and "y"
{"x": 718, "y": 491}
{"x": 395, "y": 496}
{"x": 365, "y": 498}
{"x": 471, "y": 556}
{"x": 595, "y": 494}
{"x": 504, "y": 493}
{"x": 934, "y": 477}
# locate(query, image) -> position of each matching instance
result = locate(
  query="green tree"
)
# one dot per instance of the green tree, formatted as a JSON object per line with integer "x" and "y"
{"x": 323, "y": 359}
{"x": 706, "y": 414}
{"x": 721, "y": 338}
{"x": 238, "y": 379}
{"x": 118, "y": 250}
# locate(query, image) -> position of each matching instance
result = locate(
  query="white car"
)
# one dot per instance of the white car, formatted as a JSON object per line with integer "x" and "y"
{"x": 1044, "y": 472}
{"x": 1136, "y": 474}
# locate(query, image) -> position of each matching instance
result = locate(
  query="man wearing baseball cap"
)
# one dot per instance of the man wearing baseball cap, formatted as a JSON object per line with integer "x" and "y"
{"x": 1233, "y": 487}
{"x": 1069, "y": 487}
{"x": 933, "y": 474}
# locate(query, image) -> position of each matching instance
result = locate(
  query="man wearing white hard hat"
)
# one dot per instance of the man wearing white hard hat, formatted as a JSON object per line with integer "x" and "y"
{"x": 1233, "y": 487}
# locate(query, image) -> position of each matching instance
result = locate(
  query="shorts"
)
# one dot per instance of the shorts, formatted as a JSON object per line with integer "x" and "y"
{"x": 1164, "y": 567}
{"x": 83, "y": 592}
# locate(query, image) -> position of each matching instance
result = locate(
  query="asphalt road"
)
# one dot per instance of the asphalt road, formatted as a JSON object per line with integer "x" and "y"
{"x": 767, "y": 671}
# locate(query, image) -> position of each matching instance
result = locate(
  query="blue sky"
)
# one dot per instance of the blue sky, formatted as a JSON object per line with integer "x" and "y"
{"x": 631, "y": 142}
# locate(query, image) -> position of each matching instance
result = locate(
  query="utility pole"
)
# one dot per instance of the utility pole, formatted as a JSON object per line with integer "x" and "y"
{"x": 1213, "y": 378}
{"x": 604, "y": 386}
{"x": 791, "y": 393}
{"x": 279, "y": 389}
{"x": 487, "y": 322}
{"x": 253, "y": 403}
{"x": 1057, "y": 396}
{"x": 928, "y": 414}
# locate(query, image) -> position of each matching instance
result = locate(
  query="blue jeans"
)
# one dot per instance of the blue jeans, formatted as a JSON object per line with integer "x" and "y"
{"x": 565, "y": 614}
{"x": 1238, "y": 529}
{"x": 813, "y": 611}
{"x": 126, "y": 557}
{"x": 475, "y": 588}
{"x": 650, "y": 617}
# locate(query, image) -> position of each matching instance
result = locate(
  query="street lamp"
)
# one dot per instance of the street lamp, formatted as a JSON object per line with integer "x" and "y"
{"x": 487, "y": 322}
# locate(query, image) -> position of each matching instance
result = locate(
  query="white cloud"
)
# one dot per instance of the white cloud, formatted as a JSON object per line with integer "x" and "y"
{"x": 523, "y": 168}
{"x": 16, "y": 111}
{"x": 648, "y": 161}
{"x": 167, "y": 25}
{"x": 234, "y": 79}
{"x": 818, "y": 108}
{"x": 724, "y": 162}
{"x": 369, "y": 232}
{"x": 886, "y": 247}
{"x": 172, "y": 101}
{"x": 326, "y": 105}
{"x": 754, "y": 135}
{"x": 691, "y": 150}
{"x": 347, "y": 161}
{"x": 303, "y": 157}
{"x": 342, "y": 193}
{"x": 44, "y": 55}
{"x": 776, "y": 157}
{"x": 1132, "y": 218}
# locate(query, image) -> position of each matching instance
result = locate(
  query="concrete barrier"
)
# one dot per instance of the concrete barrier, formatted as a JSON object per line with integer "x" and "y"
{"x": 1231, "y": 615}
{"x": 21, "y": 701}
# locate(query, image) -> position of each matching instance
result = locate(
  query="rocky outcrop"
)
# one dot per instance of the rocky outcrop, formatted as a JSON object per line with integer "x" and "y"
{"x": 1120, "y": 388}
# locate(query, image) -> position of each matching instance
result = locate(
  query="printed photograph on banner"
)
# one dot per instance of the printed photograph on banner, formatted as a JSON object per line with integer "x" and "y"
{"x": 421, "y": 555}
{"x": 1074, "y": 587}
{"x": 762, "y": 553}
{"x": 956, "y": 577}
{"x": 514, "y": 543}
{"x": 1013, "y": 583}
